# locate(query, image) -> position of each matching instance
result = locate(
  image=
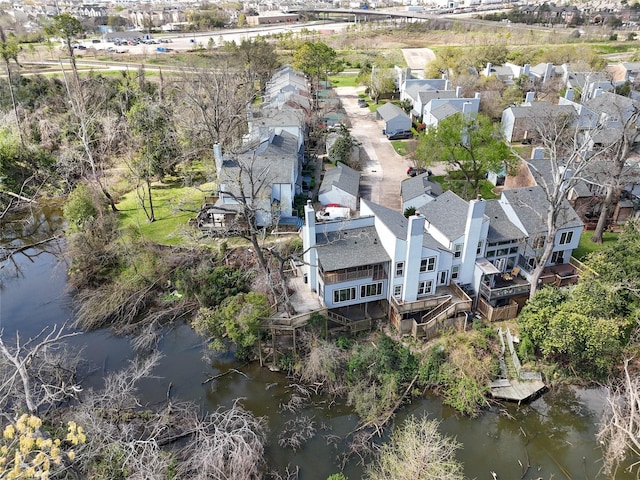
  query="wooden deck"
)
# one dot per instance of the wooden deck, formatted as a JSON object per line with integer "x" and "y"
{"x": 516, "y": 390}
{"x": 516, "y": 384}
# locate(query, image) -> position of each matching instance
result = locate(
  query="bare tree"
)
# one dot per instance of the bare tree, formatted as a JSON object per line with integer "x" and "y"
{"x": 568, "y": 155}
{"x": 215, "y": 104}
{"x": 37, "y": 373}
{"x": 619, "y": 432}
{"x": 618, "y": 171}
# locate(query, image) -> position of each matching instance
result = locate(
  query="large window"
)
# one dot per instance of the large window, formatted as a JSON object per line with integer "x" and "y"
{"x": 399, "y": 269}
{"x": 557, "y": 257}
{"x": 424, "y": 288}
{"x": 457, "y": 250}
{"x": 371, "y": 290}
{"x": 566, "y": 237}
{"x": 455, "y": 271}
{"x": 344, "y": 295}
{"x": 427, "y": 264}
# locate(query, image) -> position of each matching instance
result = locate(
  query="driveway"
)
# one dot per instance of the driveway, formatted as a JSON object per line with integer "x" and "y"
{"x": 384, "y": 168}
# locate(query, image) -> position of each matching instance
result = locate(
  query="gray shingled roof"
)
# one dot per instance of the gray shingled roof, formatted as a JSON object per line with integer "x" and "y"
{"x": 542, "y": 109}
{"x": 389, "y": 111}
{"x": 448, "y": 214}
{"x": 393, "y": 219}
{"x": 530, "y": 203}
{"x": 612, "y": 104}
{"x": 444, "y": 111}
{"x": 427, "y": 95}
{"x": 413, "y": 187}
{"x": 397, "y": 223}
{"x": 272, "y": 160}
{"x": 343, "y": 177}
{"x": 500, "y": 227}
{"x": 350, "y": 248}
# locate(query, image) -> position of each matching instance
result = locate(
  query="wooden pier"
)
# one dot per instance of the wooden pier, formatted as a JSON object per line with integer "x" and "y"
{"x": 517, "y": 385}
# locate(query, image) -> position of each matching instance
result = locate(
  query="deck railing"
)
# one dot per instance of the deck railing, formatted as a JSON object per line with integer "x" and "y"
{"x": 495, "y": 293}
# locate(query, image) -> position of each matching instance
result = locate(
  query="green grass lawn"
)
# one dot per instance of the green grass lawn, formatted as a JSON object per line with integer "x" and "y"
{"x": 586, "y": 246}
{"x": 400, "y": 146}
{"x": 343, "y": 80}
{"x": 174, "y": 205}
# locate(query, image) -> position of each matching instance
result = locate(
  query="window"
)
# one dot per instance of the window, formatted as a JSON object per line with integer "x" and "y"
{"x": 491, "y": 253}
{"x": 427, "y": 264}
{"x": 399, "y": 269}
{"x": 479, "y": 249}
{"x": 455, "y": 270}
{"x": 566, "y": 238}
{"x": 442, "y": 277}
{"x": 371, "y": 290}
{"x": 513, "y": 250}
{"x": 344, "y": 295}
{"x": 424, "y": 288}
{"x": 397, "y": 291}
{"x": 557, "y": 257}
{"x": 457, "y": 250}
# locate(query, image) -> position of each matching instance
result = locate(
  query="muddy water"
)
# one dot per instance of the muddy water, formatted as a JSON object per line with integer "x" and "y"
{"x": 554, "y": 434}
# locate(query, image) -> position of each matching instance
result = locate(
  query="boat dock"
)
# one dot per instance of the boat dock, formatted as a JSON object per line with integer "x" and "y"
{"x": 516, "y": 384}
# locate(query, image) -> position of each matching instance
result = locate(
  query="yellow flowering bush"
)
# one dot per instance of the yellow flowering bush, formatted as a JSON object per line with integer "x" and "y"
{"x": 27, "y": 453}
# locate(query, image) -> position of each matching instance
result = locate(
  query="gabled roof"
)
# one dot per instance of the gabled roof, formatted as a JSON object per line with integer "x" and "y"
{"x": 444, "y": 111}
{"x": 414, "y": 187}
{"x": 389, "y": 111}
{"x": 397, "y": 224}
{"x": 612, "y": 104}
{"x": 350, "y": 248}
{"x": 427, "y": 95}
{"x": 530, "y": 205}
{"x": 270, "y": 161}
{"x": 541, "y": 110}
{"x": 448, "y": 214}
{"x": 392, "y": 219}
{"x": 501, "y": 229}
{"x": 343, "y": 177}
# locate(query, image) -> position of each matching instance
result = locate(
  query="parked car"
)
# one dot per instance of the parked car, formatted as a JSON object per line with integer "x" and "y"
{"x": 413, "y": 171}
{"x": 362, "y": 103}
{"x": 399, "y": 134}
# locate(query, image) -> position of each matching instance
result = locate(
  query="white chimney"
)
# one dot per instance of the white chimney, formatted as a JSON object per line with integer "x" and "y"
{"x": 472, "y": 235}
{"x": 526, "y": 69}
{"x": 467, "y": 108}
{"x": 487, "y": 71}
{"x": 548, "y": 72}
{"x": 458, "y": 92}
{"x": 217, "y": 154}
{"x": 597, "y": 92}
{"x": 529, "y": 97}
{"x": 308, "y": 242}
{"x": 415, "y": 235}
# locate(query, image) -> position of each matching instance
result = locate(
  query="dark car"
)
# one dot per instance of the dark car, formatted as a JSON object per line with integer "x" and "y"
{"x": 362, "y": 103}
{"x": 413, "y": 171}
{"x": 399, "y": 134}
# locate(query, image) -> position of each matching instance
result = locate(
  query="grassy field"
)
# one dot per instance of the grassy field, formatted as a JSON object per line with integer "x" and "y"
{"x": 174, "y": 205}
{"x": 586, "y": 246}
{"x": 347, "y": 80}
{"x": 400, "y": 146}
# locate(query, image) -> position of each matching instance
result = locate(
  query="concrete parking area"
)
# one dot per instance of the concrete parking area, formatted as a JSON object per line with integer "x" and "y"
{"x": 384, "y": 169}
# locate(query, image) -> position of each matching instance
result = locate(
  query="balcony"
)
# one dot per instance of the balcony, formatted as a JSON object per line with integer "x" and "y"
{"x": 375, "y": 272}
{"x": 501, "y": 286}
